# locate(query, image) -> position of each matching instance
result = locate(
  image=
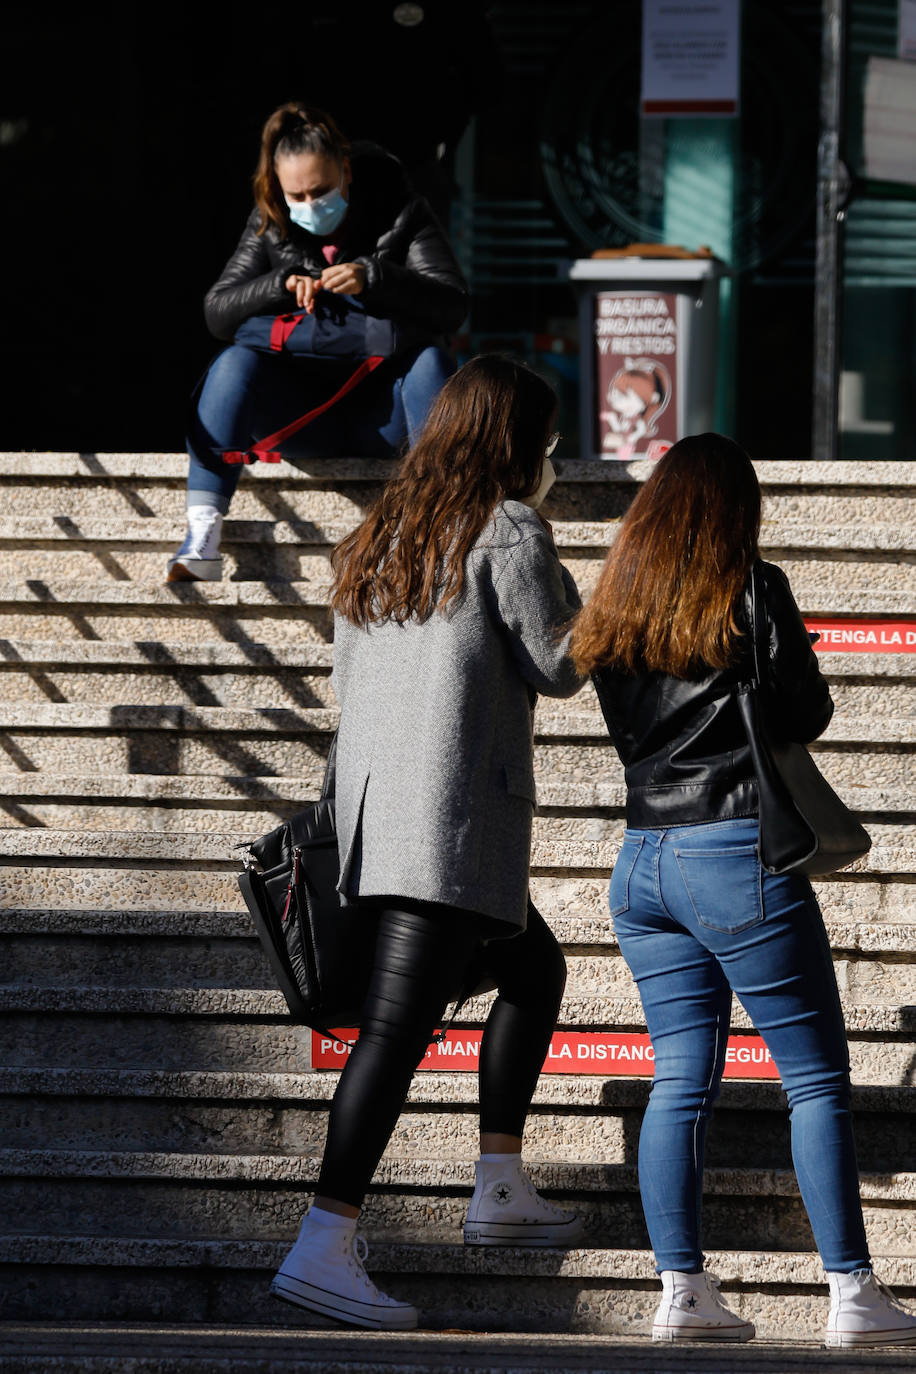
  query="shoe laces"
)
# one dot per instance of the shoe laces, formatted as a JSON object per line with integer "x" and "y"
{"x": 549, "y": 1208}
{"x": 888, "y": 1294}
{"x": 359, "y": 1253}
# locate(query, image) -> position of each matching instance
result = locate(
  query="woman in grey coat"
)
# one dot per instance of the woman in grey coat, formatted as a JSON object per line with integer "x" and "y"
{"x": 451, "y": 607}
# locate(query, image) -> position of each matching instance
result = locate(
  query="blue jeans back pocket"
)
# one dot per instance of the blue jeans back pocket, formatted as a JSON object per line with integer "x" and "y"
{"x": 619, "y": 891}
{"x": 724, "y": 886}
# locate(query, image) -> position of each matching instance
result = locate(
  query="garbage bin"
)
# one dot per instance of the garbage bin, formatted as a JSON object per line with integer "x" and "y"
{"x": 648, "y": 331}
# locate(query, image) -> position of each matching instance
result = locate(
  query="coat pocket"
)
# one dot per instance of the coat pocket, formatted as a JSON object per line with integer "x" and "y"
{"x": 520, "y": 782}
{"x": 725, "y": 886}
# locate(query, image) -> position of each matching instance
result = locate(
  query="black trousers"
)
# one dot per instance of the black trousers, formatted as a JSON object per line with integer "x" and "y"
{"x": 422, "y": 952}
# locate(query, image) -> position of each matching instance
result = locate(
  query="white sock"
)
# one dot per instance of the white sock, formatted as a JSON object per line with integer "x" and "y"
{"x": 502, "y": 1159}
{"x": 320, "y": 1217}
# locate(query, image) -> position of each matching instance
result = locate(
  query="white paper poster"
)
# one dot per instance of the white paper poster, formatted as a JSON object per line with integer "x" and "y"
{"x": 906, "y": 30}
{"x": 691, "y": 58}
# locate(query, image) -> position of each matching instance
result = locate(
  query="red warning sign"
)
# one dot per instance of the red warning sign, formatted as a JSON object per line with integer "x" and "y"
{"x": 861, "y": 636}
{"x": 604, "y": 1053}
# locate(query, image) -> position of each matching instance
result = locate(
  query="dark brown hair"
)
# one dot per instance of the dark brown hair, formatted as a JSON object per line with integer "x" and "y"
{"x": 292, "y": 128}
{"x": 483, "y": 441}
{"x": 665, "y": 600}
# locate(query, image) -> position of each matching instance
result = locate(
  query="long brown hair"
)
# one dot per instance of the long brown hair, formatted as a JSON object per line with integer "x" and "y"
{"x": 483, "y": 441}
{"x": 292, "y": 128}
{"x": 666, "y": 597}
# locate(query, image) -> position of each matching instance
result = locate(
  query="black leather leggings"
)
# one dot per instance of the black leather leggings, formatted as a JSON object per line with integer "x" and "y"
{"x": 420, "y": 952}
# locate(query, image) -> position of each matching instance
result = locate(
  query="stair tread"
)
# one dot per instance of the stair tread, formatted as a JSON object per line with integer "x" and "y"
{"x": 588, "y": 1012}
{"x": 409, "y": 1171}
{"x": 788, "y": 473}
{"x": 742, "y": 1266}
{"x": 852, "y": 934}
{"x": 139, "y": 846}
{"x": 22, "y": 652}
{"x": 577, "y": 719}
{"x": 434, "y": 1088}
{"x": 66, "y": 594}
{"x": 779, "y": 532}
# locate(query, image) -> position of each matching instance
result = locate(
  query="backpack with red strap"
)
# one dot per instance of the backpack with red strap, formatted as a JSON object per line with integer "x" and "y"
{"x": 339, "y": 327}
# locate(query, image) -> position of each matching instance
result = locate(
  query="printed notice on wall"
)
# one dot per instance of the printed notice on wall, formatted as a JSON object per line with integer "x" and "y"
{"x": 608, "y": 1054}
{"x": 691, "y": 58}
{"x": 861, "y": 636}
{"x": 906, "y": 30}
{"x": 635, "y": 373}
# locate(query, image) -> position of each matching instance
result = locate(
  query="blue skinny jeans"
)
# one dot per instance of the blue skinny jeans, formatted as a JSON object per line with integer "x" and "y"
{"x": 697, "y": 918}
{"x": 247, "y": 395}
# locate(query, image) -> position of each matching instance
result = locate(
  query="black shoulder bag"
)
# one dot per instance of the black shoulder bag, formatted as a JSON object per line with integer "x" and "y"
{"x": 804, "y": 826}
{"x": 321, "y": 952}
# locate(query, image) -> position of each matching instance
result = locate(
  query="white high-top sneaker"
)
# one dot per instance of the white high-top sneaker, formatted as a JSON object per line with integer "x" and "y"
{"x": 198, "y": 559}
{"x": 324, "y": 1273}
{"x": 506, "y": 1209}
{"x": 692, "y": 1310}
{"x": 863, "y": 1311}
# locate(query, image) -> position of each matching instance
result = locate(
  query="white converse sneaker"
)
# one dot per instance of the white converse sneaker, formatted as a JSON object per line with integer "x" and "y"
{"x": 506, "y": 1209}
{"x": 863, "y": 1311}
{"x": 692, "y": 1310}
{"x": 198, "y": 559}
{"x": 324, "y": 1273}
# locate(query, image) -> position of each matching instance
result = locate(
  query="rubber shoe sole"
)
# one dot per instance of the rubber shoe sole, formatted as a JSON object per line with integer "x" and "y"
{"x": 194, "y": 570}
{"x": 839, "y": 1340}
{"x": 745, "y": 1332}
{"x": 347, "y": 1310}
{"x": 532, "y": 1236}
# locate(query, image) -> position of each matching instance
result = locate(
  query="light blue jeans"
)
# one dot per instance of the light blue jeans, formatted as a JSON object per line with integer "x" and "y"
{"x": 697, "y": 918}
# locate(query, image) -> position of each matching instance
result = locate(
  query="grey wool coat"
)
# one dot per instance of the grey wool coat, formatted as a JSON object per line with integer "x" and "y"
{"x": 435, "y": 756}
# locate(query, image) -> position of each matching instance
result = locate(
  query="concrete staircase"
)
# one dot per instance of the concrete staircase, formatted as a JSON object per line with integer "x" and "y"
{"x": 161, "y": 1120}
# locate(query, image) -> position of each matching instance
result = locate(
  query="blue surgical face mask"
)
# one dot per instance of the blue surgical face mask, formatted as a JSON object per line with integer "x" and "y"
{"x": 320, "y": 216}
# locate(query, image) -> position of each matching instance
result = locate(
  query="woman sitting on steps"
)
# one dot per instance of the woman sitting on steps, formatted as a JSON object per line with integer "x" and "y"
{"x": 326, "y": 220}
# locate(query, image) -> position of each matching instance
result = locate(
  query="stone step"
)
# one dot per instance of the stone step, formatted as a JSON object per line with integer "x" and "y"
{"x": 264, "y": 753}
{"x": 170, "y": 681}
{"x": 21, "y": 654}
{"x": 299, "y": 499}
{"x": 256, "y": 819}
{"x": 226, "y": 1197}
{"x": 587, "y": 1290}
{"x": 131, "y": 535}
{"x": 886, "y": 589}
{"x": 578, "y": 718}
{"x": 246, "y": 792}
{"x": 139, "y": 850}
{"x": 166, "y": 466}
{"x": 121, "y": 1347}
{"x": 574, "y": 1119}
{"x": 575, "y": 910}
{"x": 38, "y": 897}
{"x": 125, "y": 963}
{"x": 583, "y": 1010}
{"x": 246, "y": 1030}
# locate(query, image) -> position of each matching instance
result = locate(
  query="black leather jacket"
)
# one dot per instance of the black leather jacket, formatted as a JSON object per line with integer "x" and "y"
{"x": 411, "y": 272}
{"x": 682, "y": 743}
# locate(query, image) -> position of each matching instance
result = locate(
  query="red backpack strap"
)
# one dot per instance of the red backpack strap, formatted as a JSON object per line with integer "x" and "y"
{"x": 281, "y": 329}
{"x": 266, "y": 450}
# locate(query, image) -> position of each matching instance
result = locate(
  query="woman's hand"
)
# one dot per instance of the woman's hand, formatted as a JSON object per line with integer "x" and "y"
{"x": 304, "y": 289}
{"x": 344, "y": 278}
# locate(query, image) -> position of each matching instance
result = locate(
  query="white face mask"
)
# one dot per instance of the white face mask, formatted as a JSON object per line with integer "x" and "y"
{"x": 322, "y": 215}
{"x": 548, "y": 477}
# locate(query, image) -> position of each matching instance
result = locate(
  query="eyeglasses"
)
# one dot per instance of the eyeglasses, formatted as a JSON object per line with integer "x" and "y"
{"x": 551, "y": 445}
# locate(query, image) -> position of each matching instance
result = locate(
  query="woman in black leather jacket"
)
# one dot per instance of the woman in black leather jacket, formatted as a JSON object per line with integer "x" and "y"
{"x": 327, "y": 221}
{"x": 665, "y": 636}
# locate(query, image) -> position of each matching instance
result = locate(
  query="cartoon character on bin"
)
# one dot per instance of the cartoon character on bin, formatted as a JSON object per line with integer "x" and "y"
{"x": 637, "y": 396}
